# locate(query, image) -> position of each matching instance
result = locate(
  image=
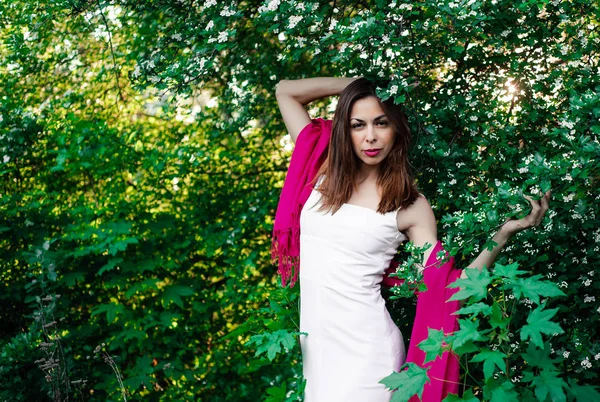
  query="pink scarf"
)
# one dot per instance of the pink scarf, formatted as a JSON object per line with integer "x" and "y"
{"x": 309, "y": 154}
{"x": 432, "y": 309}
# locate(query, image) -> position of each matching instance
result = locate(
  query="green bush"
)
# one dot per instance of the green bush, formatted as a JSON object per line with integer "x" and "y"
{"x": 142, "y": 154}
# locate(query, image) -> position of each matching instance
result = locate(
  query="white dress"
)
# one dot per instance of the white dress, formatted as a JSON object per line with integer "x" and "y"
{"x": 351, "y": 342}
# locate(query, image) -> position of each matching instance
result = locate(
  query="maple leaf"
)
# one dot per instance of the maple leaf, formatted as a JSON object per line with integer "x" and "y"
{"x": 510, "y": 271}
{"x": 469, "y": 331}
{"x": 583, "y": 393}
{"x": 548, "y": 383}
{"x": 409, "y": 382}
{"x": 490, "y": 359}
{"x": 539, "y": 323}
{"x": 497, "y": 320}
{"x": 504, "y": 392}
{"x": 473, "y": 286}
{"x": 467, "y": 397}
{"x": 433, "y": 345}
{"x": 533, "y": 288}
{"x": 538, "y": 357}
{"x": 476, "y": 308}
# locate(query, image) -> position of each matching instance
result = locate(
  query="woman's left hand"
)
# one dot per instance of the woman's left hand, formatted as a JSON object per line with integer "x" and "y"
{"x": 539, "y": 208}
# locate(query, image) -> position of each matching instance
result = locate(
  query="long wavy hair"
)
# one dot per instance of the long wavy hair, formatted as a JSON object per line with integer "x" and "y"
{"x": 342, "y": 165}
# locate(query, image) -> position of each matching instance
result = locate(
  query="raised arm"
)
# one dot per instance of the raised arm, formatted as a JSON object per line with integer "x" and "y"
{"x": 293, "y": 95}
{"x": 509, "y": 228}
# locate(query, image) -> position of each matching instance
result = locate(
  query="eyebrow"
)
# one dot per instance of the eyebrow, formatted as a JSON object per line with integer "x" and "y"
{"x": 375, "y": 119}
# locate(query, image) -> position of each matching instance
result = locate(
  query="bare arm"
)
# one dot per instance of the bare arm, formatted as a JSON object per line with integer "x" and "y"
{"x": 293, "y": 95}
{"x": 419, "y": 222}
{"x": 509, "y": 228}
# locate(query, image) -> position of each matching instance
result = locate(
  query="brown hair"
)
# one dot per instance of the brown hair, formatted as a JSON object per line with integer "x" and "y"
{"x": 342, "y": 165}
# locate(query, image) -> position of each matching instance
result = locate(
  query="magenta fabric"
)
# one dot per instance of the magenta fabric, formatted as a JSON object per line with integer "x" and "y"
{"x": 309, "y": 154}
{"x": 433, "y": 311}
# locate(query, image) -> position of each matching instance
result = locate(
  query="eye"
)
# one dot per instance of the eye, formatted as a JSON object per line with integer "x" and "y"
{"x": 355, "y": 125}
{"x": 382, "y": 123}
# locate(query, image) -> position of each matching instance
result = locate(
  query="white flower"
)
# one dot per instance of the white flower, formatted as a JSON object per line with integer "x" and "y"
{"x": 587, "y": 282}
{"x": 226, "y": 12}
{"x": 566, "y": 354}
{"x": 597, "y": 356}
{"x": 294, "y": 20}
{"x": 6, "y": 158}
{"x": 222, "y": 36}
{"x": 210, "y": 25}
{"x": 586, "y": 363}
{"x": 473, "y": 118}
{"x": 210, "y": 3}
{"x": 394, "y": 89}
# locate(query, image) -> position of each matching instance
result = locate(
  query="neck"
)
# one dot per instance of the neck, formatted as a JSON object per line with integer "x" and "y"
{"x": 367, "y": 173}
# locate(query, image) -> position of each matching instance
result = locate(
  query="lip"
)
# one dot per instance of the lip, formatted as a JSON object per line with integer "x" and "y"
{"x": 372, "y": 152}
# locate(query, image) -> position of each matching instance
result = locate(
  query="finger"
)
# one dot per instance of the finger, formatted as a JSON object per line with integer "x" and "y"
{"x": 533, "y": 203}
{"x": 544, "y": 201}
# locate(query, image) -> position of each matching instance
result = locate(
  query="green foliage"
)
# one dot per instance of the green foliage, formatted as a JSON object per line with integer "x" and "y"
{"x": 433, "y": 345}
{"x": 407, "y": 382}
{"x": 142, "y": 153}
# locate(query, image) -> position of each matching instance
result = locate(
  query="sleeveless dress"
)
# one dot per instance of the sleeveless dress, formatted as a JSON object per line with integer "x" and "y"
{"x": 351, "y": 342}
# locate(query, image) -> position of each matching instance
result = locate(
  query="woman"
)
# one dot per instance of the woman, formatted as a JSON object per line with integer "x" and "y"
{"x": 353, "y": 210}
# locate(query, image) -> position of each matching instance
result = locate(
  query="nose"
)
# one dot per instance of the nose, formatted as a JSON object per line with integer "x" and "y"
{"x": 371, "y": 137}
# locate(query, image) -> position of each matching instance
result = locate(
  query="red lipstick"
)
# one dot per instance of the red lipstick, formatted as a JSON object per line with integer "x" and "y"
{"x": 373, "y": 152}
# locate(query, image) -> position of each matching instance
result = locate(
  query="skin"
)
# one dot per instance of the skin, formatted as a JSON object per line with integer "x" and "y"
{"x": 417, "y": 221}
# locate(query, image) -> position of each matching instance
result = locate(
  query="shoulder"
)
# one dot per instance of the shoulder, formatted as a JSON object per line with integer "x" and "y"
{"x": 419, "y": 215}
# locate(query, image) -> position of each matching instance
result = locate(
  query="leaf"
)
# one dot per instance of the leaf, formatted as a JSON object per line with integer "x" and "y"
{"x": 538, "y": 357}
{"x": 497, "y": 319}
{"x": 276, "y": 394}
{"x": 469, "y": 331}
{"x": 273, "y": 342}
{"x": 490, "y": 359}
{"x": 476, "y": 309}
{"x": 111, "y": 310}
{"x": 548, "y": 383}
{"x": 110, "y": 265}
{"x": 505, "y": 392}
{"x": 173, "y": 293}
{"x": 539, "y": 323}
{"x": 433, "y": 345}
{"x": 467, "y": 397}
{"x": 510, "y": 271}
{"x": 121, "y": 245}
{"x": 584, "y": 393}
{"x": 474, "y": 286}
{"x": 409, "y": 381}
{"x": 533, "y": 288}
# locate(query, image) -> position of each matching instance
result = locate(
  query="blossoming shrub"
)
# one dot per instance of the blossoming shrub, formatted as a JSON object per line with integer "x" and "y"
{"x": 142, "y": 154}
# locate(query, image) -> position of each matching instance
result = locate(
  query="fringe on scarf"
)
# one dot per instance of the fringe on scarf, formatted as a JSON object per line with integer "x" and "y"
{"x": 285, "y": 251}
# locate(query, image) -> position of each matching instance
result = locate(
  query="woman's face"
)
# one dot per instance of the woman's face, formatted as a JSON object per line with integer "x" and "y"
{"x": 371, "y": 131}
